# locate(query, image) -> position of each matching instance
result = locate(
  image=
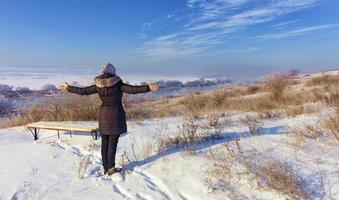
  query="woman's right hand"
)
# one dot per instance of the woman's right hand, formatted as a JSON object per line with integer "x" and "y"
{"x": 153, "y": 87}
{"x": 63, "y": 87}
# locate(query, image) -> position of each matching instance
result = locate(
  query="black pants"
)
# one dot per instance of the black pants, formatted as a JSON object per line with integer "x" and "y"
{"x": 108, "y": 150}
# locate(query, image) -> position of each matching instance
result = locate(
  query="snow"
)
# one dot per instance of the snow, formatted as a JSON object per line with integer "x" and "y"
{"x": 46, "y": 169}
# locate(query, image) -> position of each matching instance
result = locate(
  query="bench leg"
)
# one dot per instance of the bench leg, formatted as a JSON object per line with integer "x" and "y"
{"x": 35, "y": 134}
{"x": 58, "y": 134}
{"x": 96, "y": 135}
{"x": 70, "y": 133}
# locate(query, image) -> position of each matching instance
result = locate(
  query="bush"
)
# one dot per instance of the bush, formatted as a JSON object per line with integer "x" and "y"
{"x": 253, "y": 122}
{"x": 276, "y": 85}
{"x": 331, "y": 124}
{"x": 283, "y": 178}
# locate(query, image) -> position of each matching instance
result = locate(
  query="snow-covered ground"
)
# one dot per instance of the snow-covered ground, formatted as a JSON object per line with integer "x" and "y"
{"x": 46, "y": 169}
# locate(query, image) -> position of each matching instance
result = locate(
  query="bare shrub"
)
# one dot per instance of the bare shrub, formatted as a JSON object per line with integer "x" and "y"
{"x": 331, "y": 124}
{"x": 253, "y": 122}
{"x": 282, "y": 177}
{"x": 126, "y": 162}
{"x": 33, "y": 192}
{"x": 301, "y": 134}
{"x": 276, "y": 85}
{"x": 82, "y": 166}
{"x": 298, "y": 137}
{"x": 312, "y": 132}
{"x": 192, "y": 131}
{"x": 221, "y": 168}
{"x": 266, "y": 174}
{"x": 218, "y": 98}
{"x": 267, "y": 115}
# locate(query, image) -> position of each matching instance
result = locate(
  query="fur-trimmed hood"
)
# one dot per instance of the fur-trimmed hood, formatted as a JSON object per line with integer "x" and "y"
{"x": 106, "y": 80}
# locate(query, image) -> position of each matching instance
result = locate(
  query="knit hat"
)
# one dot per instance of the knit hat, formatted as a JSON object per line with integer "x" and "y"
{"x": 108, "y": 69}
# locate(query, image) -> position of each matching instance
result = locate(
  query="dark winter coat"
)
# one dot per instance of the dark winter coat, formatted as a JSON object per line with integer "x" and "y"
{"x": 112, "y": 119}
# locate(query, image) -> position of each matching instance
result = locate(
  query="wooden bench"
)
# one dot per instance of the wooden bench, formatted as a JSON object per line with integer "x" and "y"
{"x": 34, "y": 128}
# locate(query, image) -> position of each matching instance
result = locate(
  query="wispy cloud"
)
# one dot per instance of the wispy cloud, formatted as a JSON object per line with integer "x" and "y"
{"x": 215, "y": 22}
{"x": 144, "y": 28}
{"x": 286, "y": 23}
{"x": 296, "y": 32}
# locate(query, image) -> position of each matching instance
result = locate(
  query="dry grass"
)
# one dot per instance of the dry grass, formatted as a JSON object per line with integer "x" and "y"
{"x": 253, "y": 123}
{"x": 230, "y": 165}
{"x": 331, "y": 124}
{"x": 276, "y": 85}
{"x": 253, "y": 89}
{"x": 323, "y": 80}
{"x": 312, "y": 132}
{"x": 193, "y": 131}
{"x": 282, "y": 177}
{"x": 82, "y": 166}
{"x": 68, "y": 108}
{"x": 269, "y": 96}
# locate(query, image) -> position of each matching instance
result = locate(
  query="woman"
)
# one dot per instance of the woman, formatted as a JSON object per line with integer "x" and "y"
{"x": 112, "y": 120}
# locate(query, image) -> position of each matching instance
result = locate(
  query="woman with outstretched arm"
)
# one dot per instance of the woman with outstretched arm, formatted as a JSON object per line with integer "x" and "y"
{"x": 112, "y": 119}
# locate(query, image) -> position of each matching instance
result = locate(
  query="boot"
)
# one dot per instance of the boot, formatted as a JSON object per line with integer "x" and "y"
{"x": 105, "y": 170}
{"x": 113, "y": 170}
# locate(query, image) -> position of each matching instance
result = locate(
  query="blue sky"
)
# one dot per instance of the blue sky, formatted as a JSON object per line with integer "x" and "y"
{"x": 188, "y": 37}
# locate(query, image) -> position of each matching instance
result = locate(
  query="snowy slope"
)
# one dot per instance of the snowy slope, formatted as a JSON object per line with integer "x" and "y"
{"x": 47, "y": 169}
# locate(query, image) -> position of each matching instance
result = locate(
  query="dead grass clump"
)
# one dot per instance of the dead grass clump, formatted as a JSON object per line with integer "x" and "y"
{"x": 312, "y": 132}
{"x": 282, "y": 177}
{"x": 301, "y": 134}
{"x": 331, "y": 124}
{"x": 191, "y": 132}
{"x": 253, "y": 122}
{"x": 268, "y": 115}
{"x": 32, "y": 191}
{"x": 294, "y": 111}
{"x": 221, "y": 170}
{"x": 265, "y": 174}
{"x": 82, "y": 166}
{"x": 276, "y": 85}
{"x": 298, "y": 139}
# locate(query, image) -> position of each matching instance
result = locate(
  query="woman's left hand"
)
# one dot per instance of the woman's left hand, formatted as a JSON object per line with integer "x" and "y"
{"x": 153, "y": 87}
